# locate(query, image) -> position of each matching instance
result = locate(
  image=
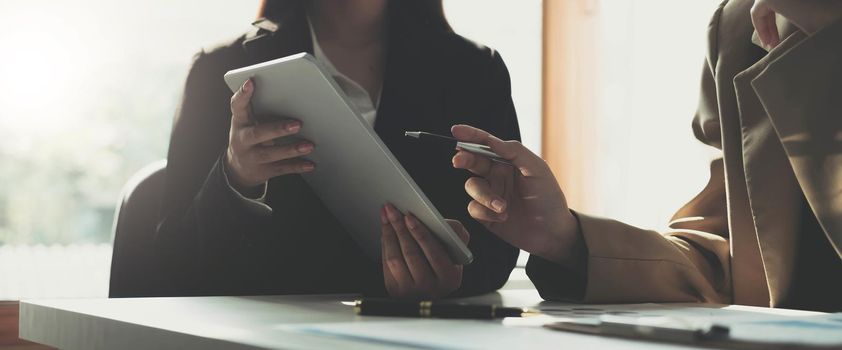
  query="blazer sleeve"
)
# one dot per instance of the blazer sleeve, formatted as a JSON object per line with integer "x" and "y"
{"x": 494, "y": 258}
{"x": 206, "y": 228}
{"x": 625, "y": 264}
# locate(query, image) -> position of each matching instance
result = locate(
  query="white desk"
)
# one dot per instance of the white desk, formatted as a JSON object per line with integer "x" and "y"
{"x": 287, "y": 322}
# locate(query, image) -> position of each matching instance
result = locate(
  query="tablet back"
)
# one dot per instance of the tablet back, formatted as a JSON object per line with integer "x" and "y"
{"x": 355, "y": 174}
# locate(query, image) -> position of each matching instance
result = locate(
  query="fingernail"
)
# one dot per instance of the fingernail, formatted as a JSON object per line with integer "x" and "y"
{"x": 308, "y": 167}
{"x": 383, "y": 218}
{"x": 304, "y": 147}
{"x": 499, "y": 205}
{"x": 247, "y": 85}
{"x": 411, "y": 221}
{"x": 457, "y": 156}
{"x": 391, "y": 212}
{"x": 294, "y": 126}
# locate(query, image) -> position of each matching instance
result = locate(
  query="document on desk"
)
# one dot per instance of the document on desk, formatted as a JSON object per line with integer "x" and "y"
{"x": 435, "y": 334}
{"x": 776, "y": 328}
{"x": 773, "y": 328}
{"x": 815, "y": 331}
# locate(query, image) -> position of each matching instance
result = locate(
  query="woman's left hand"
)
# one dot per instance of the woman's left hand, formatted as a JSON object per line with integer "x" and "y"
{"x": 415, "y": 264}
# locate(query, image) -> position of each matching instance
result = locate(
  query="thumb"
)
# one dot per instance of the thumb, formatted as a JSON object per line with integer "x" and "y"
{"x": 241, "y": 104}
{"x": 460, "y": 230}
{"x": 528, "y": 163}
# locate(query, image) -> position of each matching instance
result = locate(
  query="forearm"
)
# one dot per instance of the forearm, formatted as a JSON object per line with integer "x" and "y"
{"x": 627, "y": 264}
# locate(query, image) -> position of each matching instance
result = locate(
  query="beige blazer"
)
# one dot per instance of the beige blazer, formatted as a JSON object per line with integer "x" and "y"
{"x": 778, "y": 120}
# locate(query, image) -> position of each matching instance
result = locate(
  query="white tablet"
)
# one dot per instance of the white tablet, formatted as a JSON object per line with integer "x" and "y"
{"x": 355, "y": 174}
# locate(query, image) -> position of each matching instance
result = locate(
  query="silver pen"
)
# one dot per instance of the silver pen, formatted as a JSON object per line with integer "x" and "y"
{"x": 475, "y": 148}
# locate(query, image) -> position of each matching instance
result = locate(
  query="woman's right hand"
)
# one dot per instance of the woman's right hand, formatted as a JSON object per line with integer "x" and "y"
{"x": 522, "y": 204}
{"x": 253, "y": 157}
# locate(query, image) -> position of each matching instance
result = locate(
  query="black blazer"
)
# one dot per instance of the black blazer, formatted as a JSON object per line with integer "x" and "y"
{"x": 209, "y": 243}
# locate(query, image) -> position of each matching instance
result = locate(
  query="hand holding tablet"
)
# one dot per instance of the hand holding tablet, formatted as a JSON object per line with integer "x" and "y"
{"x": 253, "y": 156}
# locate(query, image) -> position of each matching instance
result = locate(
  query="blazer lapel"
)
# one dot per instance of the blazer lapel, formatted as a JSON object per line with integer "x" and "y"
{"x": 407, "y": 98}
{"x": 729, "y": 55}
{"x": 801, "y": 93}
{"x": 773, "y": 193}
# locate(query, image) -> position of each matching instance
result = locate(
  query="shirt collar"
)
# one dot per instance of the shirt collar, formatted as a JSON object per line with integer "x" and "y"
{"x": 319, "y": 54}
{"x": 369, "y": 107}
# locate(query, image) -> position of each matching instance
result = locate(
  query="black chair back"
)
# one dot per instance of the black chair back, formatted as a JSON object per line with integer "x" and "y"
{"x": 133, "y": 268}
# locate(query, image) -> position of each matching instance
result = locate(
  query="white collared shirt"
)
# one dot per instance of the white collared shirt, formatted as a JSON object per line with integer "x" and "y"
{"x": 356, "y": 93}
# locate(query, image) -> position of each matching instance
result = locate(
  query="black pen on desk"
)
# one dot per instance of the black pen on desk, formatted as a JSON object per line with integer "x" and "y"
{"x": 405, "y": 308}
{"x": 465, "y": 146}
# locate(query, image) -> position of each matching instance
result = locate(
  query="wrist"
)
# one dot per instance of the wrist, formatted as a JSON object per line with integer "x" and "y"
{"x": 234, "y": 179}
{"x": 566, "y": 245}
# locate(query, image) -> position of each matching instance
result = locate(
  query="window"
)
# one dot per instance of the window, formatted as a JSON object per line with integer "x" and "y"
{"x": 90, "y": 88}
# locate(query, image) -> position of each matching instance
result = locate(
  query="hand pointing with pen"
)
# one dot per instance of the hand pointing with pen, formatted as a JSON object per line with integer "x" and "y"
{"x": 522, "y": 204}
